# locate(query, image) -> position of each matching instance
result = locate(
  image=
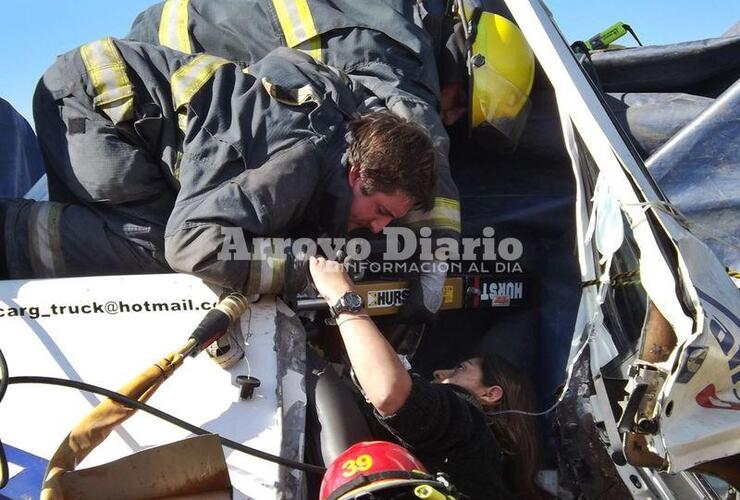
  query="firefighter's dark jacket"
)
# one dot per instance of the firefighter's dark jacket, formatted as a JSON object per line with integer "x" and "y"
{"x": 268, "y": 167}
{"x": 260, "y": 151}
{"x": 378, "y": 44}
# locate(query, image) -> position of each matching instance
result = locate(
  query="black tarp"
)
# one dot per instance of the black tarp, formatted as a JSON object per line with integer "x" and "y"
{"x": 20, "y": 158}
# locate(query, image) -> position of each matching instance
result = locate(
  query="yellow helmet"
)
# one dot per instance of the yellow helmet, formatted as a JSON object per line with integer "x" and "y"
{"x": 502, "y": 72}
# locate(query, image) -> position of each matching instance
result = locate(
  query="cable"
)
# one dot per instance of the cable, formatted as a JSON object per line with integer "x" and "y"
{"x": 3, "y": 375}
{"x": 120, "y": 398}
{"x": 4, "y": 471}
{"x": 562, "y": 394}
{"x": 215, "y": 323}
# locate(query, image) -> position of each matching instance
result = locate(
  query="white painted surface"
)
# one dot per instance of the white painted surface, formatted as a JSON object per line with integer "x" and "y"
{"x": 109, "y": 345}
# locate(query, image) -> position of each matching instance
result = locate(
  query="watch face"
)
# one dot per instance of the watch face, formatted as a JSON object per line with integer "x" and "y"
{"x": 353, "y": 301}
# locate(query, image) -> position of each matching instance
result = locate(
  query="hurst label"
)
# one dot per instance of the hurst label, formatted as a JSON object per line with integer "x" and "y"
{"x": 395, "y": 297}
{"x": 386, "y": 297}
{"x": 502, "y": 293}
{"x": 496, "y": 292}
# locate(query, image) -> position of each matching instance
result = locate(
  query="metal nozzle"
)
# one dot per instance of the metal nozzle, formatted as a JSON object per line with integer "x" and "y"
{"x": 216, "y": 322}
{"x": 187, "y": 349}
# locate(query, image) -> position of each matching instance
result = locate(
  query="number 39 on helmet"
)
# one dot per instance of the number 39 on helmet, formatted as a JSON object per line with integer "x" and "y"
{"x": 381, "y": 470}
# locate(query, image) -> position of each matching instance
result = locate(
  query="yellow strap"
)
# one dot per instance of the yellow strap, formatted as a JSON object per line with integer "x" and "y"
{"x": 298, "y": 27}
{"x": 444, "y": 215}
{"x": 189, "y": 79}
{"x": 114, "y": 94}
{"x": 173, "y": 26}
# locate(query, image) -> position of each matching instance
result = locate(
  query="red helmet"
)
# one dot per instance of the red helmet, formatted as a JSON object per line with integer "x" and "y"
{"x": 374, "y": 467}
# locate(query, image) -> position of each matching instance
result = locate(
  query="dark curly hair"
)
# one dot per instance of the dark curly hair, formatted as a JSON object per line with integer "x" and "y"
{"x": 393, "y": 154}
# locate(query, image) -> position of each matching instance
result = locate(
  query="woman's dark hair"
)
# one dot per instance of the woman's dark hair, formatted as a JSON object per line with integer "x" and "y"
{"x": 516, "y": 434}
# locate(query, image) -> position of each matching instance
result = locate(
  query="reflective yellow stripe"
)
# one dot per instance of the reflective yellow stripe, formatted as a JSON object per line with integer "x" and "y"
{"x": 173, "y": 26}
{"x": 298, "y": 27}
{"x": 295, "y": 20}
{"x": 266, "y": 269}
{"x": 312, "y": 47}
{"x": 444, "y": 215}
{"x": 176, "y": 167}
{"x": 182, "y": 120}
{"x": 189, "y": 79}
{"x": 45, "y": 245}
{"x": 185, "y": 83}
{"x": 114, "y": 94}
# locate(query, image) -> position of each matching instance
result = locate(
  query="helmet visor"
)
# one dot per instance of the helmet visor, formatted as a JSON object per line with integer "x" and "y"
{"x": 403, "y": 489}
{"x": 499, "y": 103}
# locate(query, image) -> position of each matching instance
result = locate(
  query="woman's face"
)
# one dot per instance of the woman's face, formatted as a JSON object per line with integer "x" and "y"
{"x": 469, "y": 375}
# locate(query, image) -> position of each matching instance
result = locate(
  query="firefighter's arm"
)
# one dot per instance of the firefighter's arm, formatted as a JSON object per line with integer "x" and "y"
{"x": 439, "y": 223}
{"x": 442, "y": 225}
{"x": 444, "y": 217}
{"x": 383, "y": 378}
{"x": 222, "y": 209}
{"x": 145, "y": 27}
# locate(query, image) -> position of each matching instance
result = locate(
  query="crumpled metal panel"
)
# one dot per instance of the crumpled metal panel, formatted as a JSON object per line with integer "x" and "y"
{"x": 290, "y": 342}
{"x": 699, "y": 171}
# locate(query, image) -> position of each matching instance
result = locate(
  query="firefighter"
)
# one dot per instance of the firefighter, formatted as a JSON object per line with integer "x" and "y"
{"x": 379, "y": 470}
{"x": 388, "y": 57}
{"x": 159, "y": 160}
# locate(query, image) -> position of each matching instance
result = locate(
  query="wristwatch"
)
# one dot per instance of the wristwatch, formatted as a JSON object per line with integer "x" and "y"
{"x": 349, "y": 302}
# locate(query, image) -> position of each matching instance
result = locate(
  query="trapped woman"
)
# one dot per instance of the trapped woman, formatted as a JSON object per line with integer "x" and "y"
{"x": 453, "y": 425}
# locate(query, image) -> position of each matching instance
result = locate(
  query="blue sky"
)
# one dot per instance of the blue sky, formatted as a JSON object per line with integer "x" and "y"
{"x": 35, "y": 31}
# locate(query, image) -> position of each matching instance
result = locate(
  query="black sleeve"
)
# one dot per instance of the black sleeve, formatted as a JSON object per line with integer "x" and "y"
{"x": 452, "y": 57}
{"x": 145, "y": 27}
{"x": 259, "y": 202}
{"x": 435, "y": 418}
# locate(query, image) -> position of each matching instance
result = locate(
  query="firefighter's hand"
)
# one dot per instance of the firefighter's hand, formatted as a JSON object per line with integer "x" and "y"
{"x": 330, "y": 278}
{"x": 425, "y": 297}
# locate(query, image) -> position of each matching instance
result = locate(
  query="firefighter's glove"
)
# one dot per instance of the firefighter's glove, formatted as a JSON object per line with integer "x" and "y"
{"x": 296, "y": 276}
{"x": 425, "y": 297}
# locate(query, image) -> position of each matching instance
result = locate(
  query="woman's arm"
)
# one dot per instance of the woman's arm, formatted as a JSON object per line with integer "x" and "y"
{"x": 382, "y": 376}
